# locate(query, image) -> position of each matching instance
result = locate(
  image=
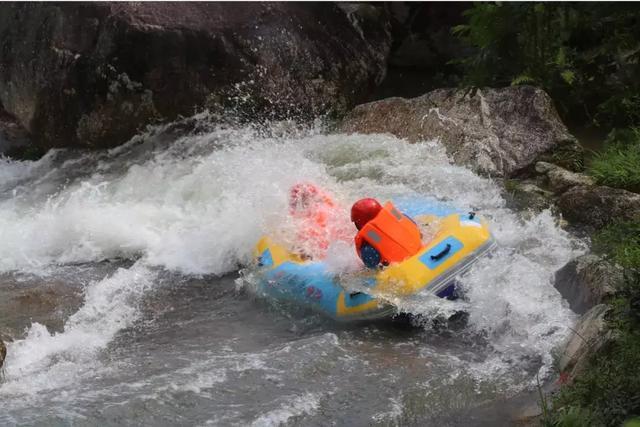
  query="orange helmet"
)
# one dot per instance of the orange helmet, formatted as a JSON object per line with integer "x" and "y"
{"x": 363, "y": 211}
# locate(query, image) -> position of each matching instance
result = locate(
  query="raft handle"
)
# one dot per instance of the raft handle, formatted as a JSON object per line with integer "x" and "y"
{"x": 440, "y": 255}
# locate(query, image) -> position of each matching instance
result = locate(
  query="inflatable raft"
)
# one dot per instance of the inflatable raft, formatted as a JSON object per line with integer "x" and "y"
{"x": 457, "y": 241}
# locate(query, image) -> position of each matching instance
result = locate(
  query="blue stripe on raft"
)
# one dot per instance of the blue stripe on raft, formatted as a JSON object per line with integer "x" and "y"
{"x": 266, "y": 259}
{"x": 431, "y": 263}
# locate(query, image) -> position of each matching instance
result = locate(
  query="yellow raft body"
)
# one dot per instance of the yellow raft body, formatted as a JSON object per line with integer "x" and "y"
{"x": 459, "y": 241}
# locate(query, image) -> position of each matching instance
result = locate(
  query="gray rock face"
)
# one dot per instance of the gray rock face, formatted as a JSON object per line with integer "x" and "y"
{"x": 93, "y": 74}
{"x": 598, "y": 206}
{"x": 589, "y": 336}
{"x": 495, "y": 131}
{"x": 13, "y": 137}
{"x": 527, "y": 195}
{"x": 560, "y": 179}
{"x": 3, "y": 353}
{"x": 587, "y": 281}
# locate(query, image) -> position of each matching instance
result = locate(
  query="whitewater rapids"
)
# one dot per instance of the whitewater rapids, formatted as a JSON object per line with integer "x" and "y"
{"x": 151, "y": 236}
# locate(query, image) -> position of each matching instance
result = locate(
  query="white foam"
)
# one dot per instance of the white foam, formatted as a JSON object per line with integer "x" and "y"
{"x": 44, "y": 360}
{"x": 199, "y": 205}
{"x": 295, "y": 406}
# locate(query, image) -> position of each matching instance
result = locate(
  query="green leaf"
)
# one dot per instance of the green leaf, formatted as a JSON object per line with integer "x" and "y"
{"x": 568, "y": 76}
{"x": 522, "y": 79}
{"x": 460, "y": 30}
{"x": 561, "y": 57}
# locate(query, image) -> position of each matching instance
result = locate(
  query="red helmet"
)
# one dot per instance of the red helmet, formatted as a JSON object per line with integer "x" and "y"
{"x": 363, "y": 211}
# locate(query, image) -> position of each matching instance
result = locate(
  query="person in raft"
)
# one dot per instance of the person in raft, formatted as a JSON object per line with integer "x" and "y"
{"x": 318, "y": 220}
{"x": 385, "y": 235}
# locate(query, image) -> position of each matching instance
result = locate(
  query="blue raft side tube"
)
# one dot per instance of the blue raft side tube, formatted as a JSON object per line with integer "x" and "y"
{"x": 308, "y": 284}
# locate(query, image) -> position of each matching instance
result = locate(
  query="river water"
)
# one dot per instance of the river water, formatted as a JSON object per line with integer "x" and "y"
{"x": 125, "y": 296}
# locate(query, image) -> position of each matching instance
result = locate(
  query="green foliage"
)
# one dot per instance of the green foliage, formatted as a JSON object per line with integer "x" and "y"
{"x": 609, "y": 389}
{"x": 572, "y": 416}
{"x": 621, "y": 241}
{"x": 523, "y": 79}
{"x": 635, "y": 422}
{"x": 619, "y": 164}
{"x": 569, "y": 157}
{"x": 608, "y": 392}
{"x": 586, "y": 55}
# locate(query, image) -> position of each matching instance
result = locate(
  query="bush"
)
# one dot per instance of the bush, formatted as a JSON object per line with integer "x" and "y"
{"x": 620, "y": 241}
{"x": 585, "y": 55}
{"x": 619, "y": 164}
{"x": 608, "y": 392}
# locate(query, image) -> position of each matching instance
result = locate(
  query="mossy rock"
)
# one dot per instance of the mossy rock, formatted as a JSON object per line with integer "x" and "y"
{"x": 569, "y": 155}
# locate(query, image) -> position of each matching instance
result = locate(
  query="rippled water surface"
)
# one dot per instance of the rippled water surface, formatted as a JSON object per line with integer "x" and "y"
{"x": 123, "y": 302}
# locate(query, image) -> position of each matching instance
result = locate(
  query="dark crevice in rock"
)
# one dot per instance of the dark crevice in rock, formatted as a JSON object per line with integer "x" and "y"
{"x": 14, "y": 139}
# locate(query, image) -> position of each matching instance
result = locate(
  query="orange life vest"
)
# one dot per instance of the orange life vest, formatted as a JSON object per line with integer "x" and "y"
{"x": 392, "y": 234}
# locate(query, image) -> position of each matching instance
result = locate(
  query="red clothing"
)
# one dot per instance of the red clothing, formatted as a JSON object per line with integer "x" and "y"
{"x": 317, "y": 219}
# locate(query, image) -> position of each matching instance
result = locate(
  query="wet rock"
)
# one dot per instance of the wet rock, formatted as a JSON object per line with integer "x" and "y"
{"x": 587, "y": 281}
{"x": 3, "y": 353}
{"x": 497, "y": 132}
{"x": 93, "y": 74}
{"x": 531, "y": 415}
{"x": 560, "y": 179}
{"x": 48, "y": 302}
{"x": 589, "y": 336}
{"x": 598, "y": 206}
{"x": 13, "y": 137}
{"x": 569, "y": 156}
{"x": 527, "y": 195}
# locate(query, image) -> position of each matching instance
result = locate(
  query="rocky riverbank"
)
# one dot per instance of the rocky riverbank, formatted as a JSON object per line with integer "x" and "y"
{"x": 94, "y": 75}
{"x": 515, "y": 133}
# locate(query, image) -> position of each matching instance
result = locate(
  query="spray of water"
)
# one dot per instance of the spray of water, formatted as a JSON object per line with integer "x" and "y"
{"x": 198, "y": 204}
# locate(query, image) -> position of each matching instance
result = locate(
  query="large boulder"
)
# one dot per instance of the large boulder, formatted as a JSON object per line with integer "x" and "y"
{"x": 93, "y": 74}
{"x": 560, "y": 179}
{"x": 598, "y": 206}
{"x": 526, "y": 195}
{"x": 3, "y": 353}
{"x": 497, "y": 132}
{"x": 587, "y": 281}
{"x": 588, "y": 337}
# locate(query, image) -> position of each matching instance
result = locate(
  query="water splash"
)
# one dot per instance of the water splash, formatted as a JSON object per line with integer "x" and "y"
{"x": 196, "y": 205}
{"x": 44, "y": 360}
